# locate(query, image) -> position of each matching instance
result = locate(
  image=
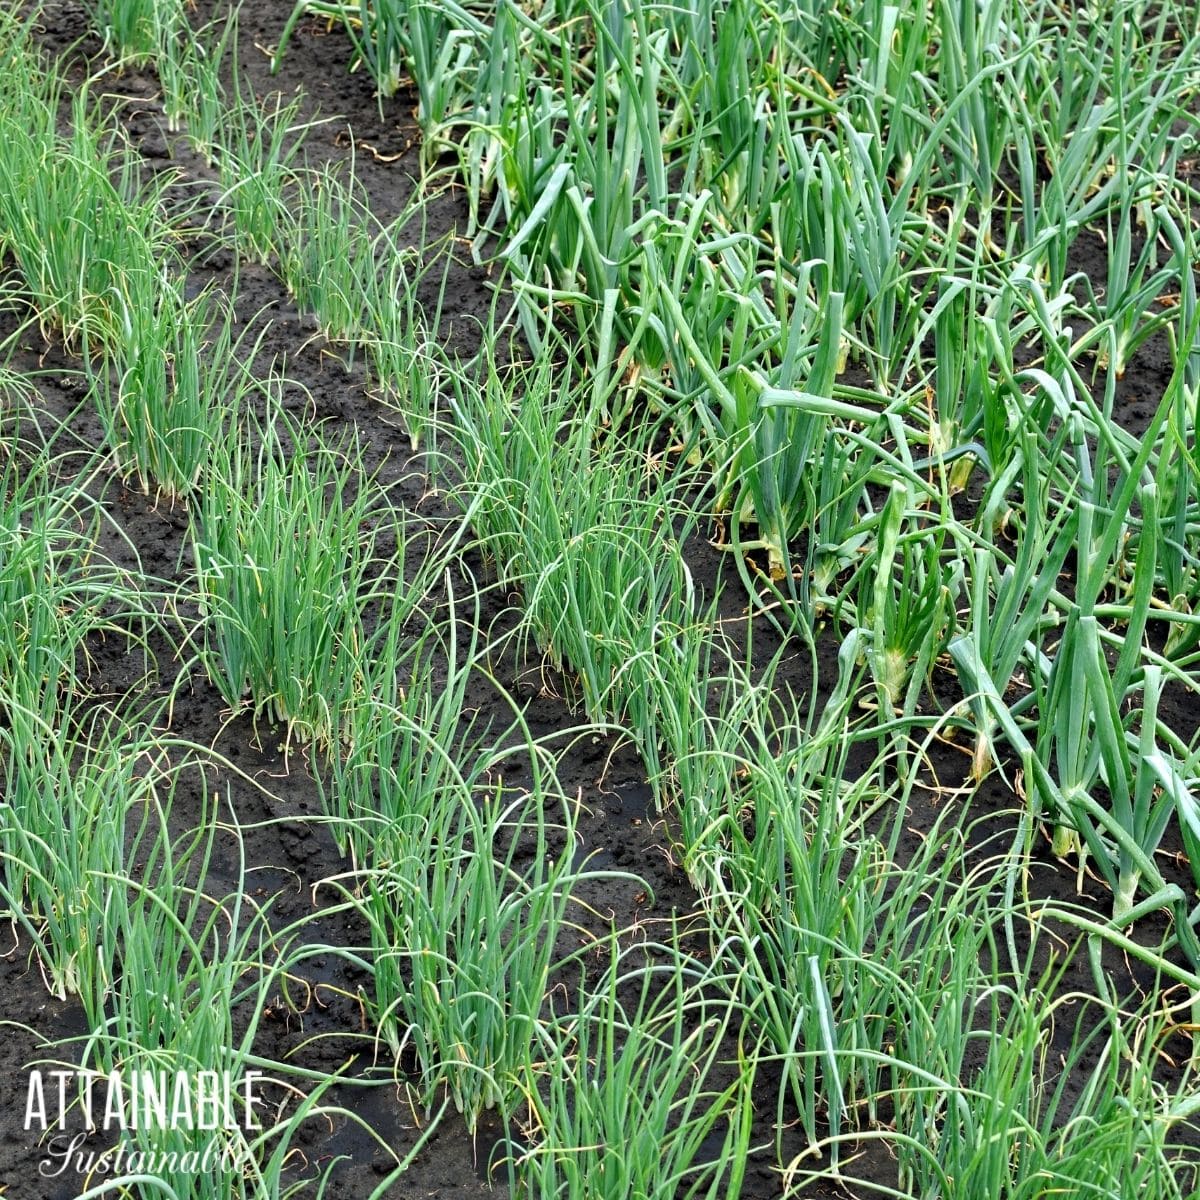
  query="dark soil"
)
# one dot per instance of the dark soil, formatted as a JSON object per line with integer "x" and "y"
{"x": 318, "y": 1024}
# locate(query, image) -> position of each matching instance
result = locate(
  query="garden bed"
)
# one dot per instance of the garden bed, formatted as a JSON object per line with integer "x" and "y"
{"x": 659, "y": 820}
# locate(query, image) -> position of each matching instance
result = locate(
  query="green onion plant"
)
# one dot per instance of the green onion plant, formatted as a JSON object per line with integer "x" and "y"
{"x": 624, "y": 1099}
{"x": 286, "y": 554}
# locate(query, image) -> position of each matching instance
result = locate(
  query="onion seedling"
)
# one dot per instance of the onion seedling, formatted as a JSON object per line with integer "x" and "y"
{"x": 285, "y": 556}
{"x": 52, "y": 587}
{"x": 326, "y": 253}
{"x": 626, "y": 1102}
{"x": 190, "y": 65}
{"x": 406, "y": 362}
{"x": 73, "y": 269}
{"x": 71, "y": 788}
{"x": 256, "y": 147}
{"x": 401, "y": 743}
{"x": 465, "y": 902}
{"x": 134, "y": 30}
{"x": 169, "y": 388}
{"x": 589, "y": 531}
